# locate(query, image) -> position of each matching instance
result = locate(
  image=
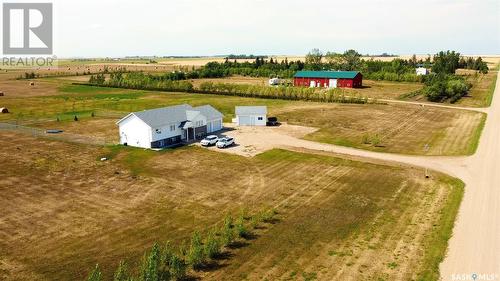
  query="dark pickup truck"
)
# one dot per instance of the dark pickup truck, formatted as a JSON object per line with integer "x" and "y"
{"x": 272, "y": 121}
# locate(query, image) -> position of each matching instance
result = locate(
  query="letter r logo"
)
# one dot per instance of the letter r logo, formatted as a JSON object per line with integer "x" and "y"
{"x": 27, "y": 29}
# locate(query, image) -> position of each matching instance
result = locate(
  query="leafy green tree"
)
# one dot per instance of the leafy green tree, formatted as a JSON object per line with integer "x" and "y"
{"x": 446, "y": 62}
{"x": 352, "y": 60}
{"x": 314, "y": 58}
{"x": 335, "y": 60}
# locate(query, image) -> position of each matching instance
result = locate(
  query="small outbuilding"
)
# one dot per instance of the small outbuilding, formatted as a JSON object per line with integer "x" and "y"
{"x": 251, "y": 115}
{"x": 421, "y": 71}
{"x": 4, "y": 110}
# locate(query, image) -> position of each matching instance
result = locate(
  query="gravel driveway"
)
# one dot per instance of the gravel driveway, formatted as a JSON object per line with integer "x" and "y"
{"x": 252, "y": 140}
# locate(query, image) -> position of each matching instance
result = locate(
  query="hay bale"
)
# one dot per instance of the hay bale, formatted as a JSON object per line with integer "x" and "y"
{"x": 1, "y": 94}
{"x": 32, "y": 83}
{"x": 4, "y": 110}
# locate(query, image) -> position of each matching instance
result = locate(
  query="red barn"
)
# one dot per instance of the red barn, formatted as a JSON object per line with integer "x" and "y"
{"x": 328, "y": 79}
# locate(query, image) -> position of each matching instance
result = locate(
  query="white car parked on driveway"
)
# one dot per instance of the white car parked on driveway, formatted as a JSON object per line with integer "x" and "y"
{"x": 225, "y": 142}
{"x": 209, "y": 140}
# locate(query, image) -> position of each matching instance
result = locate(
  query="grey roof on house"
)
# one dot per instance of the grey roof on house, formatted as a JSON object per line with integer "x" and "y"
{"x": 209, "y": 112}
{"x": 191, "y": 114}
{"x": 251, "y": 110}
{"x": 161, "y": 116}
{"x": 174, "y": 114}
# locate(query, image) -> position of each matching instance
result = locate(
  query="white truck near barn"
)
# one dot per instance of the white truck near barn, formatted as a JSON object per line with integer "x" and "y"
{"x": 274, "y": 81}
{"x": 250, "y": 115}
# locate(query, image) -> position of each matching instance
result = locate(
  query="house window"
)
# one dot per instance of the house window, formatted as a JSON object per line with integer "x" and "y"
{"x": 172, "y": 128}
{"x": 259, "y": 118}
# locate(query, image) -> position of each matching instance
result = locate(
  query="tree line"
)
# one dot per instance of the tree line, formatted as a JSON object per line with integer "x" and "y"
{"x": 282, "y": 92}
{"x": 169, "y": 262}
{"x": 441, "y": 85}
{"x": 142, "y": 81}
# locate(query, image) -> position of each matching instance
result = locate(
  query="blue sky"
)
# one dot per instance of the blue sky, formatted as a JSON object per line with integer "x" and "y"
{"x": 97, "y": 28}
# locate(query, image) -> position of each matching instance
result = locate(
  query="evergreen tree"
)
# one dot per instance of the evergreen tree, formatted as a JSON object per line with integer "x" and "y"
{"x": 150, "y": 264}
{"x": 95, "y": 275}
{"x": 195, "y": 255}
{"x": 121, "y": 273}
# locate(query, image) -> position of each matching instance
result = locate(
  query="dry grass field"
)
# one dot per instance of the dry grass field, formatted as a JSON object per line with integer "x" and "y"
{"x": 401, "y": 128}
{"x": 392, "y": 128}
{"x": 64, "y": 211}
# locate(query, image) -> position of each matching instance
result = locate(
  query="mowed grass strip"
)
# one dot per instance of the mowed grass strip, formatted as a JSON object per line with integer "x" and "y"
{"x": 65, "y": 211}
{"x": 407, "y": 129}
{"x": 481, "y": 93}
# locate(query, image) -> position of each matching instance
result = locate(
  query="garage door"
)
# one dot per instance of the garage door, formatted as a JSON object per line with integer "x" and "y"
{"x": 245, "y": 120}
{"x": 217, "y": 125}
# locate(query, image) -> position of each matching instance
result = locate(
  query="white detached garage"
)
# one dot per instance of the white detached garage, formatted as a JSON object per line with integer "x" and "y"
{"x": 251, "y": 115}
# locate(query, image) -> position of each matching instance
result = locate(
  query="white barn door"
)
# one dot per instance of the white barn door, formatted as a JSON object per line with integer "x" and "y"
{"x": 332, "y": 83}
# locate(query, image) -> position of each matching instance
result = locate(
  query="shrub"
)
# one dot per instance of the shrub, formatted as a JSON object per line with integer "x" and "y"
{"x": 195, "y": 255}
{"x": 227, "y": 231}
{"x": 95, "y": 274}
{"x": 241, "y": 229}
{"x": 177, "y": 267}
{"x": 151, "y": 264}
{"x": 268, "y": 216}
{"x": 121, "y": 273}
{"x": 440, "y": 88}
{"x": 212, "y": 245}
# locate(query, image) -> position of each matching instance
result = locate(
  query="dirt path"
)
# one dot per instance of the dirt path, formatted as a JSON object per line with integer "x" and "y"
{"x": 478, "y": 109}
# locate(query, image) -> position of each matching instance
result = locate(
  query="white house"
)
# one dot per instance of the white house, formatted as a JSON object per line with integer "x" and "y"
{"x": 421, "y": 71}
{"x": 162, "y": 127}
{"x": 251, "y": 115}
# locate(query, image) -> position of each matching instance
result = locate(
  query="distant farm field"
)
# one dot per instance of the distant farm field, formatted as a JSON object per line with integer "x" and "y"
{"x": 408, "y": 129}
{"x": 63, "y": 211}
